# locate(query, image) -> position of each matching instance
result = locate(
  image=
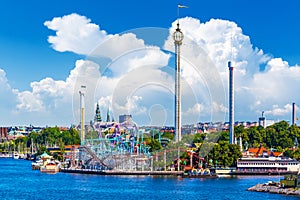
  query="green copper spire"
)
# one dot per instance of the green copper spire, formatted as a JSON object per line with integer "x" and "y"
{"x": 98, "y": 114}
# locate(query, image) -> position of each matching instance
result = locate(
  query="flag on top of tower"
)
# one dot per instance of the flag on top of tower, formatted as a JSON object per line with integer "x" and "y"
{"x": 182, "y": 6}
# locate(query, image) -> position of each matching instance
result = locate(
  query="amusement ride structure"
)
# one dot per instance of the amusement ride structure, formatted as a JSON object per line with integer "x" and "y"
{"x": 116, "y": 151}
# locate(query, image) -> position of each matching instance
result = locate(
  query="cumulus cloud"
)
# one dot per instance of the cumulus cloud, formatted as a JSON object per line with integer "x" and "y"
{"x": 50, "y": 98}
{"x": 277, "y": 111}
{"x": 75, "y": 33}
{"x": 7, "y": 94}
{"x": 261, "y": 82}
{"x": 195, "y": 110}
{"x": 138, "y": 76}
{"x": 131, "y": 105}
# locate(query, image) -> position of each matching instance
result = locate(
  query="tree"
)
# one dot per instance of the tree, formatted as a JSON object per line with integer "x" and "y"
{"x": 154, "y": 145}
{"x": 199, "y": 138}
{"x": 255, "y": 137}
{"x": 224, "y": 136}
{"x": 168, "y": 135}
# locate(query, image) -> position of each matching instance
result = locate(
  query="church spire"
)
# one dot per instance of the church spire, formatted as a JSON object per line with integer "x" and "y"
{"x": 107, "y": 116}
{"x": 98, "y": 114}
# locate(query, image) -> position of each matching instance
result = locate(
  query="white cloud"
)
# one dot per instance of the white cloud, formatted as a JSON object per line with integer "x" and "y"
{"x": 28, "y": 102}
{"x": 260, "y": 81}
{"x": 277, "y": 111}
{"x": 117, "y": 45}
{"x": 138, "y": 76}
{"x": 132, "y": 105}
{"x": 75, "y": 33}
{"x": 50, "y": 98}
{"x": 195, "y": 110}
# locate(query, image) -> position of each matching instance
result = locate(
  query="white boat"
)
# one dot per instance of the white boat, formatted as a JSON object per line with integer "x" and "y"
{"x": 16, "y": 155}
{"x": 267, "y": 165}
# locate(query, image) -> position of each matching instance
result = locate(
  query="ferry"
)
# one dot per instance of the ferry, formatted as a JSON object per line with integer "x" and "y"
{"x": 51, "y": 167}
{"x": 267, "y": 165}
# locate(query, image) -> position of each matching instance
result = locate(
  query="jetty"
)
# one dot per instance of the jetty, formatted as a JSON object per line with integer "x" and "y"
{"x": 274, "y": 188}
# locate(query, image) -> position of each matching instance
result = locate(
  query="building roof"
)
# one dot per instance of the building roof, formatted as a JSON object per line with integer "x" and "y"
{"x": 261, "y": 151}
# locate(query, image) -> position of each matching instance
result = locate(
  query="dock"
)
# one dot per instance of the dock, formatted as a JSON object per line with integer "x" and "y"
{"x": 137, "y": 173}
{"x": 124, "y": 173}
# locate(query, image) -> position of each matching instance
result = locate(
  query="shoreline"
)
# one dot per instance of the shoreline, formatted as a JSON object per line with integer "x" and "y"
{"x": 274, "y": 189}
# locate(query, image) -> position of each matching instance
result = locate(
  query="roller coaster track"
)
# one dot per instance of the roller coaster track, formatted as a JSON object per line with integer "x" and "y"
{"x": 94, "y": 156}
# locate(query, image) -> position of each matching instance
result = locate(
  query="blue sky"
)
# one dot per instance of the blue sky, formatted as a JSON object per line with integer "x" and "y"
{"x": 27, "y": 56}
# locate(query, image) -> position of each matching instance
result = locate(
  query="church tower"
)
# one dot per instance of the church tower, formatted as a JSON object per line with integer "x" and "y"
{"x": 107, "y": 116}
{"x": 98, "y": 115}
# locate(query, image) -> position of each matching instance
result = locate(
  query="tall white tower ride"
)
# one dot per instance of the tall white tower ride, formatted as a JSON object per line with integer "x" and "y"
{"x": 232, "y": 138}
{"x": 178, "y": 37}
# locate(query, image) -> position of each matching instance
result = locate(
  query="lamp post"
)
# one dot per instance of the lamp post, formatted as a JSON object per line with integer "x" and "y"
{"x": 177, "y": 37}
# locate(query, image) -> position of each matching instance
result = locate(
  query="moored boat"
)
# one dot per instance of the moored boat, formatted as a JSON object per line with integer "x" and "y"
{"x": 267, "y": 165}
{"x": 50, "y": 167}
{"x": 16, "y": 155}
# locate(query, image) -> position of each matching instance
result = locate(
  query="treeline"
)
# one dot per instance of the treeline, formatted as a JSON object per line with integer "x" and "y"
{"x": 280, "y": 137}
{"x": 214, "y": 147}
{"x": 48, "y": 137}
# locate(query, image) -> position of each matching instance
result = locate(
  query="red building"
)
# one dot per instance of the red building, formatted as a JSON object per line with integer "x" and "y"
{"x": 3, "y": 133}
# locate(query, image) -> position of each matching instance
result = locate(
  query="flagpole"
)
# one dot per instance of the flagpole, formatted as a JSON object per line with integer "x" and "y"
{"x": 178, "y": 14}
{"x": 178, "y": 8}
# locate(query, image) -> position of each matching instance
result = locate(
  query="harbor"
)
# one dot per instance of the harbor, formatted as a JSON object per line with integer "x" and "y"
{"x": 34, "y": 184}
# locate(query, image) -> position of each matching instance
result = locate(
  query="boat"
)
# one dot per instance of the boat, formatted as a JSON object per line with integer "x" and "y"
{"x": 46, "y": 164}
{"x": 16, "y": 155}
{"x": 5, "y": 155}
{"x": 267, "y": 165}
{"x": 37, "y": 165}
{"x": 50, "y": 167}
{"x": 191, "y": 172}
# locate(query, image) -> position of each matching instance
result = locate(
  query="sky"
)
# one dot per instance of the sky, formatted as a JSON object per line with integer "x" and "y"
{"x": 123, "y": 52}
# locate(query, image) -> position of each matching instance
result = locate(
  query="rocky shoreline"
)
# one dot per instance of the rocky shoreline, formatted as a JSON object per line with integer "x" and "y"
{"x": 274, "y": 189}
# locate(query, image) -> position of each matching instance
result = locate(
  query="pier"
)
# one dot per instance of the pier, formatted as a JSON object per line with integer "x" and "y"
{"x": 125, "y": 173}
{"x": 137, "y": 173}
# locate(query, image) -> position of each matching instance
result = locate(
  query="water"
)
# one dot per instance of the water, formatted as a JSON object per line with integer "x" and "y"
{"x": 18, "y": 181}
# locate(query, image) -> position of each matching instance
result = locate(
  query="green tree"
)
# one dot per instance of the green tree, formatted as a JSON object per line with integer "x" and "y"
{"x": 154, "y": 145}
{"x": 199, "y": 138}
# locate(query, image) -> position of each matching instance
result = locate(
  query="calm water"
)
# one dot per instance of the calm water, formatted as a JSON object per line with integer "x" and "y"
{"x": 18, "y": 181}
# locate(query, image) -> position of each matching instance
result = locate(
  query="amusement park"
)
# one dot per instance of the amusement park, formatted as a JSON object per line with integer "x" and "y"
{"x": 123, "y": 147}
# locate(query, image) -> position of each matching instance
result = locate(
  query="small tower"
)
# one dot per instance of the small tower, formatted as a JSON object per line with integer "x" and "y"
{"x": 98, "y": 114}
{"x": 262, "y": 120}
